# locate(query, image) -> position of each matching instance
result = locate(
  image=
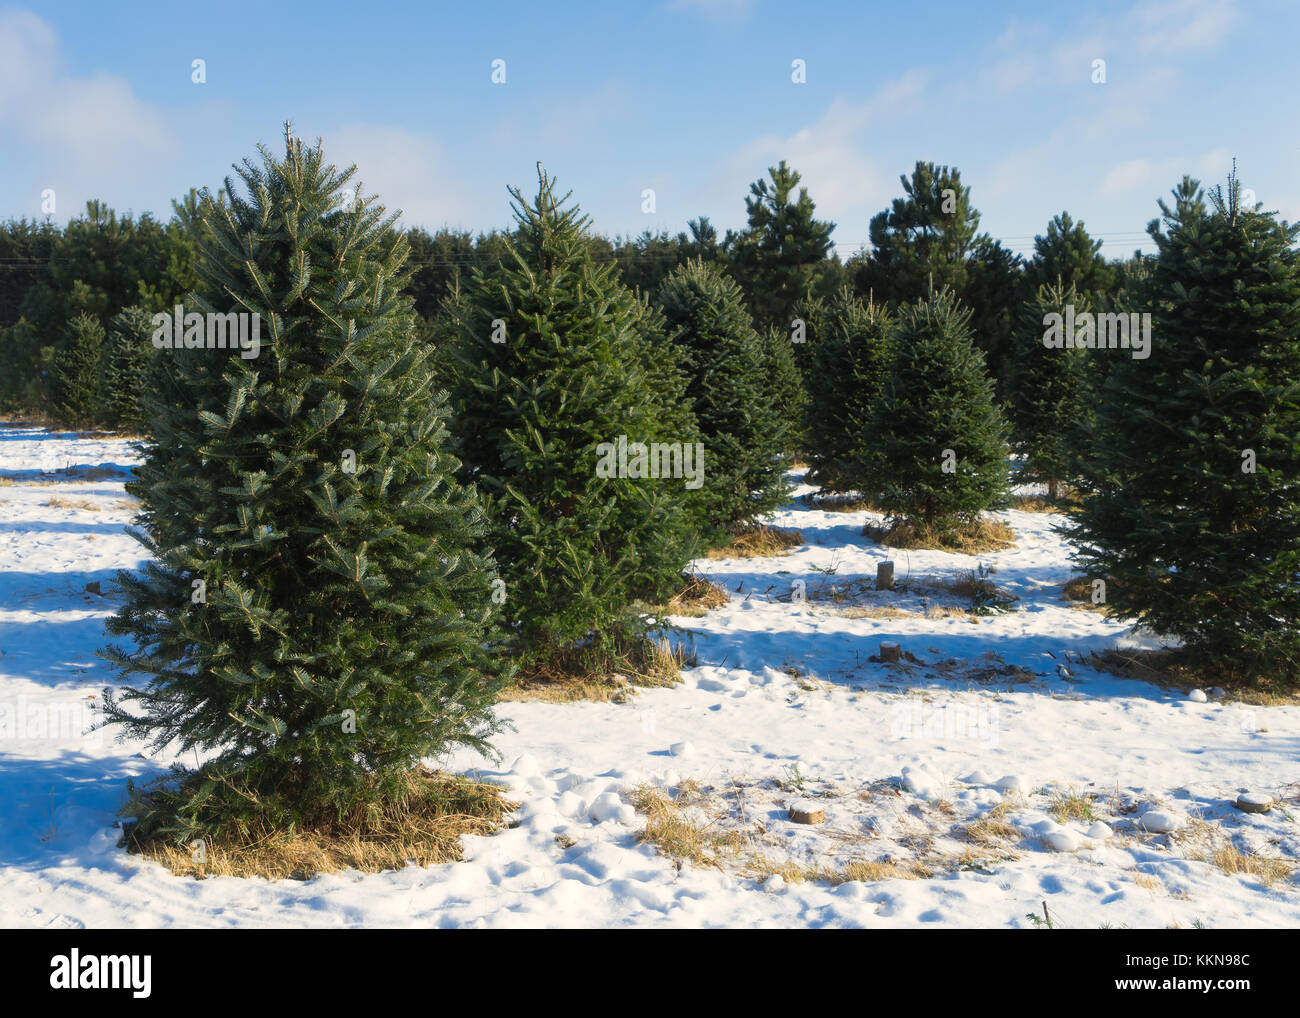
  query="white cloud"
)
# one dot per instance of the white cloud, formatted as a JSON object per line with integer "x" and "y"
{"x": 1157, "y": 176}
{"x": 831, "y": 156}
{"x": 90, "y": 129}
{"x": 409, "y": 172}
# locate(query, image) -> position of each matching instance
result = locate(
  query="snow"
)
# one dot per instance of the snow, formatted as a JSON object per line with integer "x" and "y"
{"x": 782, "y": 709}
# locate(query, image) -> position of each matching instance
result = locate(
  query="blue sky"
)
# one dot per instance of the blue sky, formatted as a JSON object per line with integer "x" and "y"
{"x": 692, "y": 98}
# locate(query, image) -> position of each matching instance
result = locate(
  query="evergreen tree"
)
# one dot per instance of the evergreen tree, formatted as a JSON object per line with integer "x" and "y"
{"x": 783, "y": 387}
{"x": 1067, "y": 255}
{"x": 76, "y": 371}
{"x": 722, "y": 355}
{"x": 1191, "y": 505}
{"x": 315, "y": 617}
{"x": 553, "y": 367}
{"x": 1049, "y": 408}
{"x": 780, "y": 258}
{"x": 853, "y": 359}
{"x": 936, "y": 447}
{"x": 127, "y": 364}
{"x": 923, "y": 240}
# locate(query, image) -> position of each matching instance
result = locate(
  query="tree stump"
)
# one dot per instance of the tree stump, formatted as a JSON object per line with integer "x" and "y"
{"x": 890, "y": 651}
{"x": 884, "y": 576}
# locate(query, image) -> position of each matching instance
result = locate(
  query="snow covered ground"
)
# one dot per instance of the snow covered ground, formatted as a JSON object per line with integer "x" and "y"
{"x": 784, "y": 708}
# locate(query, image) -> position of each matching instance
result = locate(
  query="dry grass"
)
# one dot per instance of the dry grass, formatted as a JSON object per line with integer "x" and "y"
{"x": 992, "y": 828}
{"x": 678, "y": 836}
{"x": 974, "y": 538}
{"x": 759, "y": 542}
{"x": 1172, "y": 669}
{"x": 72, "y": 503}
{"x": 1237, "y": 863}
{"x": 423, "y": 828}
{"x": 1071, "y": 806}
{"x": 1065, "y": 503}
{"x": 697, "y": 597}
{"x": 569, "y": 677}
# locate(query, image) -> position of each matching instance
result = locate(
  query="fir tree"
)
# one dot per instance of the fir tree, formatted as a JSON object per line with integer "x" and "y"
{"x": 558, "y": 373}
{"x": 314, "y": 617}
{"x": 853, "y": 359}
{"x": 1049, "y": 406}
{"x": 722, "y": 355}
{"x": 783, "y": 386}
{"x": 937, "y": 453}
{"x": 127, "y": 368}
{"x": 1191, "y": 504}
{"x": 77, "y": 371}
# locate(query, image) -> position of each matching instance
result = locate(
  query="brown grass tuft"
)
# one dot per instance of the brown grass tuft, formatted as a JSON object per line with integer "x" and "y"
{"x": 569, "y": 676}
{"x": 423, "y": 827}
{"x": 677, "y": 835}
{"x": 697, "y": 597}
{"x": 72, "y": 503}
{"x": 759, "y": 542}
{"x": 972, "y": 538}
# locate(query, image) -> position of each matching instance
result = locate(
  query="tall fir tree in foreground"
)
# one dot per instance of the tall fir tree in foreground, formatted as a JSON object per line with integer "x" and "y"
{"x": 852, "y": 360}
{"x": 314, "y": 617}
{"x": 77, "y": 371}
{"x": 936, "y": 452}
{"x": 722, "y": 356}
{"x": 1050, "y": 405}
{"x": 1191, "y": 489}
{"x": 561, "y": 373}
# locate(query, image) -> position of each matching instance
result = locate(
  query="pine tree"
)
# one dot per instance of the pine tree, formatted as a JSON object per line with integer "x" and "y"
{"x": 77, "y": 369}
{"x": 1050, "y": 405}
{"x": 1067, "y": 254}
{"x": 706, "y": 319}
{"x": 853, "y": 359}
{"x": 1191, "y": 504}
{"x": 556, "y": 382}
{"x": 127, "y": 367}
{"x": 937, "y": 452}
{"x": 923, "y": 241}
{"x": 780, "y": 258}
{"x": 314, "y": 617}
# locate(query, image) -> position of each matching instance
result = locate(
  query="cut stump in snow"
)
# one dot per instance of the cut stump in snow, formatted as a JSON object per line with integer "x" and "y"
{"x": 884, "y": 576}
{"x": 1254, "y": 802}
{"x": 807, "y": 813}
{"x": 890, "y": 651}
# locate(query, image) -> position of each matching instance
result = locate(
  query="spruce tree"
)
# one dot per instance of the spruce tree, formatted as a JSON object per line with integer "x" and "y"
{"x": 128, "y": 361}
{"x": 706, "y": 319}
{"x": 1050, "y": 404}
{"x": 77, "y": 371}
{"x": 853, "y": 357}
{"x": 559, "y": 378}
{"x": 1191, "y": 497}
{"x": 315, "y": 617}
{"x": 936, "y": 448}
{"x": 783, "y": 386}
